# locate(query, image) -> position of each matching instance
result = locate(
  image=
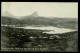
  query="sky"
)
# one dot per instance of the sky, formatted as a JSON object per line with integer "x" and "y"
{"x": 51, "y": 9}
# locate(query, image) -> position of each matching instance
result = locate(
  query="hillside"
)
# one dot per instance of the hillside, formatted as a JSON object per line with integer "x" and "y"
{"x": 17, "y": 38}
{"x": 35, "y": 19}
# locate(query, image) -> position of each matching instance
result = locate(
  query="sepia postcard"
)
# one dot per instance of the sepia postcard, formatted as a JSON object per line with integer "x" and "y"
{"x": 39, "y": 26}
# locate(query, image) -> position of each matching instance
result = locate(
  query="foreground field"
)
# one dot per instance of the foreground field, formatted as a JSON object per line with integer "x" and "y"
{"x": 16, "y": 39}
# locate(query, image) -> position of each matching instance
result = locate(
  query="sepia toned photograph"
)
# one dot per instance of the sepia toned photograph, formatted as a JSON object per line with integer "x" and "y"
{"x": 39, "y": 26}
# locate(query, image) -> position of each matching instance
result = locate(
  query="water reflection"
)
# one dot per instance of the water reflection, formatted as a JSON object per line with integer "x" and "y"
{"x": 50, "y": 29}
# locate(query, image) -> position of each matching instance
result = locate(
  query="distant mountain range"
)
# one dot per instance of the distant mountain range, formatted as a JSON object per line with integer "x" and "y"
{"x": 35, "y": 19}
{"x": 7, "y": 14}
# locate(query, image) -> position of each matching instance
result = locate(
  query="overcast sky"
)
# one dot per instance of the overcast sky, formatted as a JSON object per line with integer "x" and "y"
{"x": 52, "y": 9}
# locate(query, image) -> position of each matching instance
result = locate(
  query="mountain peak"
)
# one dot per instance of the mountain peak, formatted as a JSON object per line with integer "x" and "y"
{"x": 7, "y": 14}
{"x": 35, "y": 14}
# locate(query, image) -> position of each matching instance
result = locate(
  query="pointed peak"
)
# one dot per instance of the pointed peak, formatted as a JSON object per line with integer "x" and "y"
{"x": 35, "y": 14}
